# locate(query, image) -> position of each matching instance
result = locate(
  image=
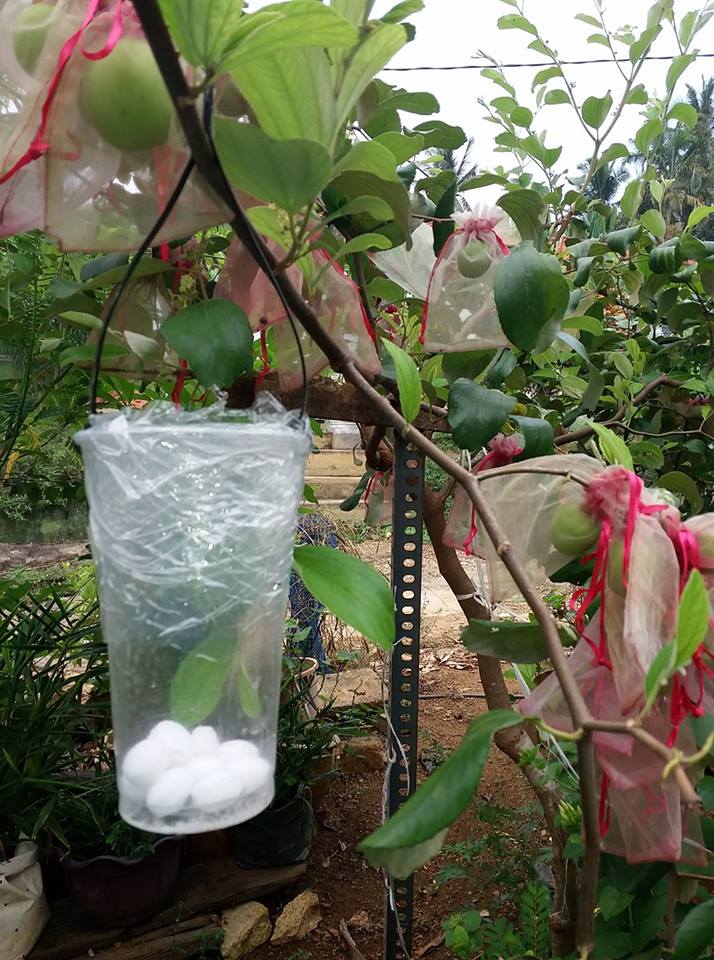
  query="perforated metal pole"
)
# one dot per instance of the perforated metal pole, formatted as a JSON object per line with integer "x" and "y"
{"x": 407, "y": 534}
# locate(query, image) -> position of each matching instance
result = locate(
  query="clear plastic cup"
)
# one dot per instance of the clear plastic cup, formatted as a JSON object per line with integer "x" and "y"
{"x": 192, "y": 523}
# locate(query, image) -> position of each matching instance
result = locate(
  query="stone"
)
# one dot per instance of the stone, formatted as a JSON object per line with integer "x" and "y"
{"x": 245, "y": 928}
{"x": 298, "y": 918}
{"x": 362, "y": 754}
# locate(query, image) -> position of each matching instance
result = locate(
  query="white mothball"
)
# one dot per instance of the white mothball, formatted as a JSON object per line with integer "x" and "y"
{"x": 175, "y": 738}
{"x": 204, "y": 740}
{"x": 170, "y": 793}
{"x": 237, "y": 750}
{"x": 202, "y": 766}
{"x": 217, "y": 790}
{"x": 251, "y": 772}
{"x": 145, "y": 763}
{"x": 131, "y": 791}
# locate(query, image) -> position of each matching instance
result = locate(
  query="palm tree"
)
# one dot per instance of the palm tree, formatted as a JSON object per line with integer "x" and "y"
{"x": 461, "y": 165}
{"x": 606, "y": 181}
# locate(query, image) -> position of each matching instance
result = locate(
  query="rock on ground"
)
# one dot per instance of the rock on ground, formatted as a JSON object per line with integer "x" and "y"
{"x": 245, "y": 928}
{"x": 298, "y": 918}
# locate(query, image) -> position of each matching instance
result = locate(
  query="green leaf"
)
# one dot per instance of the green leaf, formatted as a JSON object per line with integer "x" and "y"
{"x": 599, "y": 38}
{"x": 677, "y": 68}
{"x": 697, "y": 215}
{"x": 269, "y": 222}
{"x": 484, "y": 180}
{"x": 373, "y": 53}
{"x": 424, "y": 819}
{"x": 623, "y": 365}
{"x": 526, "y": 209}
{"x": 616, "y": 151}
{"x": 79, "y": 319}
{"x": 353, "y": 501}
{"x": 582, "y": 274}
{"x": 512, "y": 21}
{"x": 476, "y": 414}
{"x": 248, "y": 694}
{"x": 631, "y": 198}
{"x": 586, "y": 18}
{"x": 489, "y": 73}
{"x": 543, "y": 76}
{"x": 401, "y": 145}
{"x": 215, "y": 337}
{"x": 595, "y": 110}
{"x": 660, "y": 671}
{"x": 692, "y": 619}
{"x": 646, "y": 453}
{"x": 538, "y": 436}
{"x": 365, "y": 241}
{"x": 647, "y": 134}
{"x": 522, "y": 117}
{"x": 506, "y": 640}
{"x": 357, "y": 183}
{"x": 680, "y": 483}
{"x": 198, "y": 682}
{"x": 371, "y": 157}
{"x": 444, "y": 226}
{"x": 613, "y": 902}
{"x": 684, "y": 113}
{"x": 403, "y": 10}
{"x": 653, "y": 221}
{"x": 695, "y": 933}
{"x": 202, "y": 31}
{"x": 613, "y": 448}
{"x": 408, "y": 381}
{"x": 589, "y": 324}
{"x": 87, "y": 352}
{"x": 531, "y": 294}
{"x": 638, "y": 95}
{"x": 350, "y": 589}
{"x": 554, "y": 97}
{"x": 289, "y": 173}
{"x": 297, "y": 25}
{"x": 621, "y": 240}
{"x": 436, "y": 133}
{"x": 466, "y": 364}
{"x": 372, "y": 206}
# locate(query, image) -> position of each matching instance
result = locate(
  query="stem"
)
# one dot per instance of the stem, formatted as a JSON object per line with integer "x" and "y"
{"x": 209, "y": 167}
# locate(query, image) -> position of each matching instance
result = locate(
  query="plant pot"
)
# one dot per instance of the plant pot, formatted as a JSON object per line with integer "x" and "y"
{"x": 123, "y": 891}
{"x": 23, "y": 907}
{"x": 277, "y": 837}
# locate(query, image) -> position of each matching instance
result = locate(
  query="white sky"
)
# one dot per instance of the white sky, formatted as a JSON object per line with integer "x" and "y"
{"x": 452, "y": 32}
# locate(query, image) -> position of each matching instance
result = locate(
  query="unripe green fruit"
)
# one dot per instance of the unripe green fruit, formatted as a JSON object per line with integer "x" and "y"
{"x": 615, "y": 563}
{"x": 473, "y": 260}
{"x": 29, "y": 33}
{"x": 125, "y": 98}
{"x": 706, "y": 549}
{"x": 573, "y": 532}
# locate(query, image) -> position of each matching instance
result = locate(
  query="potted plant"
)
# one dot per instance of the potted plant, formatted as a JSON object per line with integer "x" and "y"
{"x": 283, "y": 833}
{"x": 51, "y": 660}
{"x": 117, "y": 875}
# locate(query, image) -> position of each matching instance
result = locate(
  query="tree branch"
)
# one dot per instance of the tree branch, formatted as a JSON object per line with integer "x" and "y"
{"x": 160, "y": 41}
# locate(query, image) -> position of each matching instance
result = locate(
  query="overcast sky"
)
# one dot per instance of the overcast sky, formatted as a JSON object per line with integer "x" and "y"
{"x": 452, "y": 32}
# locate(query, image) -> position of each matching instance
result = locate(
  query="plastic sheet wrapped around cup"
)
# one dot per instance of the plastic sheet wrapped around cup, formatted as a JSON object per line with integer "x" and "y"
{"x": 192, "y": 521}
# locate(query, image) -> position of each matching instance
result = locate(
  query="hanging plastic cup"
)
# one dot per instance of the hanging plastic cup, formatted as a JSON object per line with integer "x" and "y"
{"x": 192, "y": 523}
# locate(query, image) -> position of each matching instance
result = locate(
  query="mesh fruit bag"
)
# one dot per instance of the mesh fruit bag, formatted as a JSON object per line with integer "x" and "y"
{"x": 87, "y": 123}
{"x": 460, "y": 309}
{"x": 525, "y": 506}
{"x": 242, "y": 281}
{"x": 378, "y": 498}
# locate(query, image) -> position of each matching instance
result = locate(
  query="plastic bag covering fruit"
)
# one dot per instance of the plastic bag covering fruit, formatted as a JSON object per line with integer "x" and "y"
{"x": 460, "y": 310}
{"x": 326, "y": 287}
{"x": 524, "y": 505}
{"x": 644, "y": 829}
{"x": 411, "y": 268}
{"x": 137, "y": 320}
{"x": 31, "y": 39}
{"x": 192, "y": 521}
{"x": 378, "y": 499}
{"x": 106, "y": 194}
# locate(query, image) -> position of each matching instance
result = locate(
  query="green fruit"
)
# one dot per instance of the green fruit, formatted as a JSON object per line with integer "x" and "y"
{"x": 573, "y": 532}
{"x": 615, "y": 563}
{"x": 29, "y": 33}
{"x": 125, "y": 98}
{"x": 474, "y": 259}
{"x": 705, "y": 539}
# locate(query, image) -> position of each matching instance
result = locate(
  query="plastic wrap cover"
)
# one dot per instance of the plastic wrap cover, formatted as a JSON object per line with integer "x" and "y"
{"x": 192, "y": 522}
